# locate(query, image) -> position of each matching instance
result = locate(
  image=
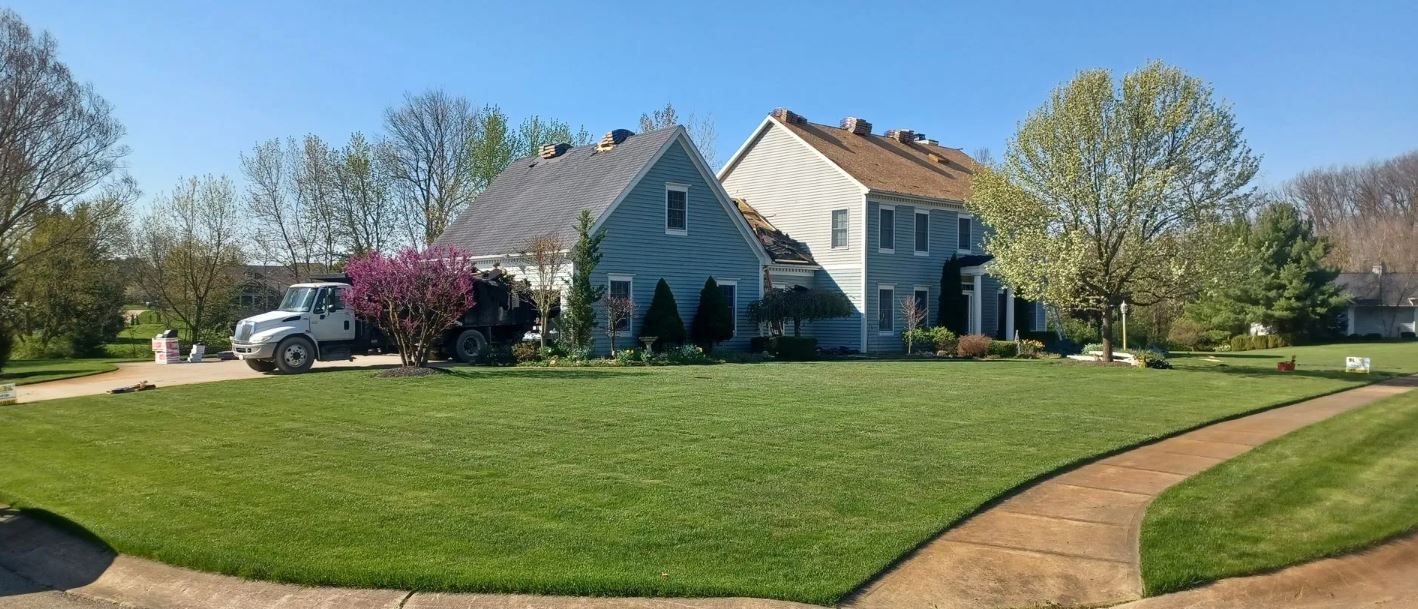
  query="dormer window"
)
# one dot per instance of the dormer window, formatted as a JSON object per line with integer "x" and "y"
{"x": 676, "y": 209}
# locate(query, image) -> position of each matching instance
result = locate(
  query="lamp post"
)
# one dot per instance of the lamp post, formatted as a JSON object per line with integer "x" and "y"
{"x": 1124, "y": 308}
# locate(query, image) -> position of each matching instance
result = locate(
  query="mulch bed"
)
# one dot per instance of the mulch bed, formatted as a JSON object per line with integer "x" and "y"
{"x": 402, "y": 372}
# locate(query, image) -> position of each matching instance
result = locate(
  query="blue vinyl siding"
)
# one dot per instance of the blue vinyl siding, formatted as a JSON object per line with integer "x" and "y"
{"x": 636, "y": 244}
{"x": 905, "y": 270}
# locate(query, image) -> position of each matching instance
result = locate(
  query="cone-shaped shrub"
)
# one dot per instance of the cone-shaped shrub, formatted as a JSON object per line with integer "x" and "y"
{"x": 662, "y": 320}
{"x": 713, "y": 321}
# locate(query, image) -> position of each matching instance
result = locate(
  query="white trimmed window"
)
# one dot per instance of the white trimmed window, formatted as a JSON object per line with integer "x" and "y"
{"x": 923, "y": 233}
{"x": 923, "y": 304}
{"x": 885, "y": 309}
{"x": 676, "y": 209}
{"x": 967, "y": 225}
{"x": 622, "y": 286}
{"x": 840, "y": 220}
{"x": 886, "y": 229}
{"x": 730, "y": 289}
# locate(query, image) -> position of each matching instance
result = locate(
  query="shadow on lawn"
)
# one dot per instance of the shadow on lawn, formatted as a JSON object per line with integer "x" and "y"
{"x": 49, "y": 552}
{"x": 1375, "y": 376}
{"x": 483, "y": 373}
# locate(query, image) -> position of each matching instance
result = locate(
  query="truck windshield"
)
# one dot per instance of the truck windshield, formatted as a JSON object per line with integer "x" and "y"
{"x": 298, "y": 300}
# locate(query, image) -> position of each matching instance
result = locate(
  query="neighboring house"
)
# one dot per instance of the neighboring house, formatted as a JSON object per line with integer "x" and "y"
{"x": 879, "y": 215}
{"x": 1380, "y": 302}
{"x": 664, "y": 213}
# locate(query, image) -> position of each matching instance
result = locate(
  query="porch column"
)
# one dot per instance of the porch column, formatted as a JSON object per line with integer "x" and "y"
{"x": 1008, "y": 314}
{"x": 1349, "y": 321}
{"x": 975, "y": 308}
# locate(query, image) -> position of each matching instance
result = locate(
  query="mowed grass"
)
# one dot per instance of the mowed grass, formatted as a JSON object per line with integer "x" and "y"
{"x": 1333, "y": 487}
{"x": 794, "y": 481}
{"x": 28, "y": 371}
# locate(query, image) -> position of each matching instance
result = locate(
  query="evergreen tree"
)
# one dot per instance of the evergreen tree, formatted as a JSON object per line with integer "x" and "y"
{"x": 952, "y": 314}
{"x": 713, "y": 321}
{"x": 662, "y": 320}
{"x": 1292, "y": 290}
{"x": 578, "y": 320}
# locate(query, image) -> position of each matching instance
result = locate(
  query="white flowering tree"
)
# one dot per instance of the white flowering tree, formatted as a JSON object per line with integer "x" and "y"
{"x": 1117, "y": 191}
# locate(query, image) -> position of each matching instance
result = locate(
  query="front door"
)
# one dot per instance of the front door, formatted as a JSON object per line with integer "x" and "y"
{"x": 331, "y": 320}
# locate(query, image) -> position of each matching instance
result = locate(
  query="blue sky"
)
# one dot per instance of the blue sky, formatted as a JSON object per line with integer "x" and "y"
{"x": 197, "y": 83}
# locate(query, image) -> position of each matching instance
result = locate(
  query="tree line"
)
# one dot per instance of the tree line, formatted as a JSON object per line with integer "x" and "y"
{"x": 72, "y": 241}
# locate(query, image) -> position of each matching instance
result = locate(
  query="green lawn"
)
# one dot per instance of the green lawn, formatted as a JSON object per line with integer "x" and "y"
{"x": 134, "y": 342}
{"x": 26, "y": 371}
{"x": 1336, "y": 486}
{"x": 795, "y": 481}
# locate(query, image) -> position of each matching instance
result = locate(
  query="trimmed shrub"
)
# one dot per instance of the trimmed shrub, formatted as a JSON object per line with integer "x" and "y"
{"x": 759, "y": 344}
{"x": 1002, "y": 348}
{"x": 1240, "y": 342}
{"x": 1373, "y": 336}
{"x": 1260, "y": 342}
{"x": 713, "y": 322}
{"x": 1186, "y": 334}
{"x": 1147, "y": 358}
{"x": 1030, "y": 348}
{"x": 1407, "y": 335}
{"x": 795, "y": 348}
{"x": 1091, "y": 347}
{"x": 920, "y": 339}
{"x": 662, "y": 320}
{"x": 944, "y": 340}
{"x": 526, "y": 351}
{"x": 1273, "y": 341}
{"x": 973, "y": 345}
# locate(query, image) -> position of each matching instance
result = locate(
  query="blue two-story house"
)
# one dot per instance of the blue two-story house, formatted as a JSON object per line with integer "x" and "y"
{"x": 664, "y": 214}
{"x": 879, "y": 216}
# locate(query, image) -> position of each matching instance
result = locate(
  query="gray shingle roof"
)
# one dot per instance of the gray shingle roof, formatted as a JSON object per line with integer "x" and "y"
{"x": 1367, "y": 289}
{"x": 535, "y": 196}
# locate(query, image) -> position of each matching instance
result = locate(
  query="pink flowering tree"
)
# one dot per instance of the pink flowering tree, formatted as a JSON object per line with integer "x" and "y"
{"x": 412, "y": 296}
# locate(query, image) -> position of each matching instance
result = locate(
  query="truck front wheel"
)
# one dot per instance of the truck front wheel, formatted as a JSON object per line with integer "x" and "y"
{"x": 261, "y": 365}
{"x": 295, "y": 355}
{"x": 469, "y": 346}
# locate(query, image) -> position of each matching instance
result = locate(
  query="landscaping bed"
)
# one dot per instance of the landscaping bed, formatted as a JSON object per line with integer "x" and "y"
{"x": 786, "y": 480}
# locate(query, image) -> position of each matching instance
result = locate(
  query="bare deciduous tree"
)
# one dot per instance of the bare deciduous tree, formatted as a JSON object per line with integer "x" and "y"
{"x": 281, "y": 232}
{"x": 430, "y": 160}
{"x": 187, "y": 252}
{"x": 363, "y": 205}
{"x": 619, "y": 310}
{"x": 913, "y": 316}
{"x": 535, "y": 131}
{"x": 58, "y": 142}
{"x": 701, "y": 130}
{"x": 544, "y": 264}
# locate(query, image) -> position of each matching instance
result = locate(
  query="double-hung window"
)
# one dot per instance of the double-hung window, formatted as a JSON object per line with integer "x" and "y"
{"x": 923, "y": 233}
{"x": 840, "y": 218}
{"x": 923, "y": 304}
{"x": 730, "y": 289}
{"x": 885, "y": 309}
{"x": 967, "y": 224}
{"x": 622, "y": 287}
{"x": 886, "y": 229}
{"x": 676, "y": 209}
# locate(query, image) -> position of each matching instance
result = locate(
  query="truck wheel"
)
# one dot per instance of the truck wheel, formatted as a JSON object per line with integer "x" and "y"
{"x": 261, "y": 365}
{"x": 295, "y": 355}
{"x": 469, "y": 346}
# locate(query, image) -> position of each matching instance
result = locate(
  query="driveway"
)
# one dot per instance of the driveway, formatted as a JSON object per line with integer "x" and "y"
{"x": 166, "y": 375}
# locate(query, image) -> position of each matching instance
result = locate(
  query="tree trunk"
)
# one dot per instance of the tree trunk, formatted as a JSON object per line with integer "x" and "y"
{"x": 1107, "y": 335}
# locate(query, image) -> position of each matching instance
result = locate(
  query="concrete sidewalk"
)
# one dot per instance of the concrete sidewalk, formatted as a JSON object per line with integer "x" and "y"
{"x": 167, "y": 375}
{"x": 1074, "y": 539}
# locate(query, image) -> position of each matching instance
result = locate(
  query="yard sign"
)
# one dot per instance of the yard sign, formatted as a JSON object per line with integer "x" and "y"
{"x": 8, "y": 394}
{"x": 1356, "y": 364}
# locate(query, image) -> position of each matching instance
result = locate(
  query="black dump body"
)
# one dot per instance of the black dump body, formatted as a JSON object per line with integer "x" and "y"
{"x": 496, "y": 303}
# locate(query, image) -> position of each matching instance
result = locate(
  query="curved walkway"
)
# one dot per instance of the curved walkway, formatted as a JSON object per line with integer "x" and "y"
{"x": 164, "y": 375}
{"x": 1070, "y": 540}
{"x": 1073, "y": 539}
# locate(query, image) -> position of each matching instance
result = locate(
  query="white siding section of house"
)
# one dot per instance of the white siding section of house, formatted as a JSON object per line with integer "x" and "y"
{"x": 796, "y": 189}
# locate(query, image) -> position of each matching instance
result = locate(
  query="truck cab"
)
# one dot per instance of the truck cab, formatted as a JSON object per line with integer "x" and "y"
{"x": 313, "y": 322}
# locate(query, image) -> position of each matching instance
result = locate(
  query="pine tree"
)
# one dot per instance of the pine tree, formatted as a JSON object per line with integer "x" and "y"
{"x": 951, "y": 308}
{"x": 1292, "y": 291}
{"x": 578, "y": 320}
{"x": 662, "y": 320}
{"x": 713, "y": 321}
